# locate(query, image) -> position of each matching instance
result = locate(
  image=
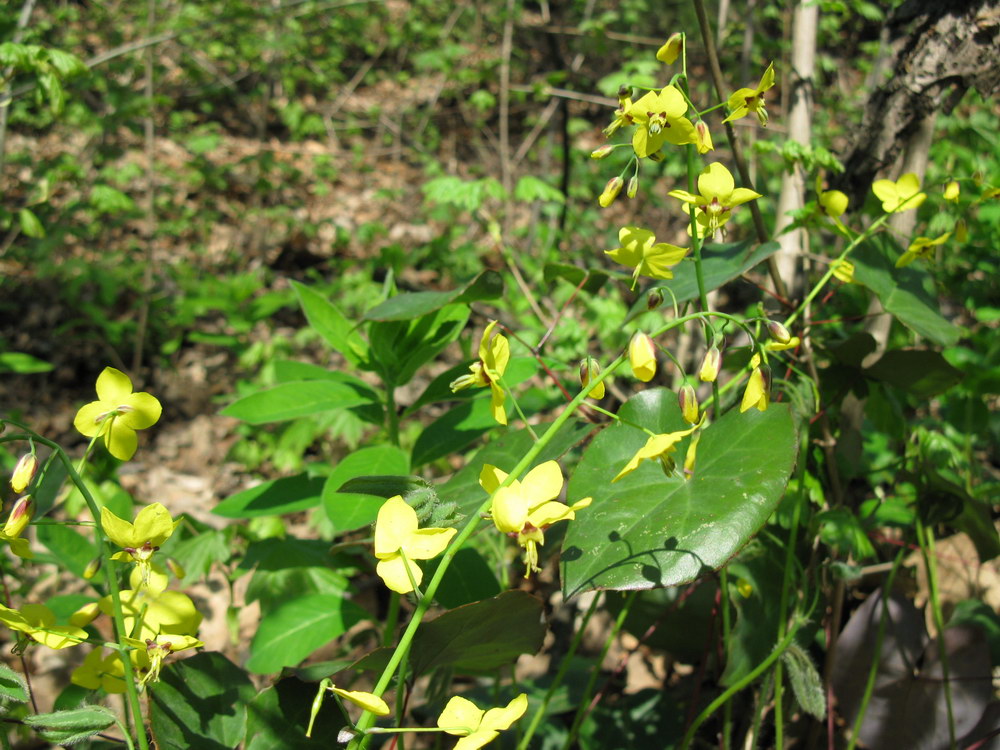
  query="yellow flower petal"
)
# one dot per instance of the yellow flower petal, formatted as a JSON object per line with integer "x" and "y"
{"x": 395, "y": 523}
{"x": 367, "y": 701}
{"x": 542, "y": 483}
{"x": 393, "y": 574}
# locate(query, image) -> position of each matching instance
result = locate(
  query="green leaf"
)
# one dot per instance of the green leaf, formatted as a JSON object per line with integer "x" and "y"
{"x": 296, "y": 399}
{"x": 279, "y": 496}
{"x": 298, "y": 627}
{"x": 463, "y": 488}
{"x": 67, "y": 64}
{"x": 475, "y": 638}
{"x": 399, "y": 347}
{"x": 652, "y": 530}
{"x": 720, "y": 264}
{"x": 468, "y": 579}
{"x": 108, "y": 200}
{"x": 200, "y": 702}
{"x": 906, "y": 293}
{"x": 921, "y": 372}
{"x": 352, "y": 510}
{"x": 530, "y": 189}
{"x": 805, "y": 681}
{"x": 330, "y": 323}
{"x": 69, "y": 548}
{"x": 409, "y": 305}
{"x": 30, "y": 225}
{"x": 198, "y": 553}
{"x": 277, "y": 718}
{"x": 454, "y": 430}
{"x": 286, "y": 371}
{"x": 12, "y": 685}
{"x": 22, "y": 364}
{"x": 74, "y": 725}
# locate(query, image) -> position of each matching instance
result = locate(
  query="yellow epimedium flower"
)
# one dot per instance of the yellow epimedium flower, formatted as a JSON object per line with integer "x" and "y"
{"x": 758, "y": 390}
{"x": 952, "y": 191}
{"x": 611, "y": 191}
{"x": 38, "y": 622}
{"x": 642, "y": 356}
{"x": 657, "y": 447}
{"x": 744, "y": 101}
{"x": 902, "y": 195}
{"x": 704, "y": 137}
{"x": 117, "y": 413}
{"x": 24, "y": 472}
{"x": 149, "y": 653}
{"x": 660, "y": 117}
{"x": 463, "y": 718}
{"x": 153, "y": 526}
{"x": 921, "y": 247}
{"x": 151, "y": 609}
{"x": 718, "y": 197}
{"x": 527, "y": 507}
{"x": 20, "y": 517}
{"x": 494, "y": 354}
{"x": 100, "y": 672}
{"x": 621, "y": 116}
{"x": 399, "y": 541}
{"x": 648, "y": 257}
{"x": 671, "y": 49}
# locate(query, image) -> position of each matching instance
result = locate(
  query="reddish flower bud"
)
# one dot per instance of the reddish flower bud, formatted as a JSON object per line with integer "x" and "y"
{"x": 19, "y": 517}
{"x": 778, "y": 332}
{"x": 687, "y": 399}
{"x": 611, "y": 191}
{"x": 602, "y": 152}
{"x": 590, "y": 371}
{"x": 642, "y": 356}
{"x": 711, "y": 365}
{"x": 24, "y": 472}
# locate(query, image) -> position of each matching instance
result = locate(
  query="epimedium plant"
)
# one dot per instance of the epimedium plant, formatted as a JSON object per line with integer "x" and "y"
{"x": 664, "y": 489}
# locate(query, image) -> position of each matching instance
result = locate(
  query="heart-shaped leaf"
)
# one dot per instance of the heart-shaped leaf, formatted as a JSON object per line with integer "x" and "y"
{"x": 653, "y": 530}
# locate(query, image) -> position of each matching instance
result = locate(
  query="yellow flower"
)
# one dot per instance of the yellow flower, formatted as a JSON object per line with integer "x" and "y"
{"x": 527, "y": 507}
{"x": 367, "y": 701}
{"x": 100, "y": 672}
{"x": 150, "y": 609}
{"x": 711, "y": 365}
{"x": 921, "y": 247}
{"x": 149, "y": 653}
{"x": 20, "y": 517}
{"x": 844, "y": 270}
{"x": 704, "y": 137}
{"x": 718, "y": 197}
{"x": 660, "y": 117}
{"x": 687, "y": 399}
{"x": 611, "y": 191}
{"x": 780, "y": 346}
{"x": 153, "y": 526}
{"x": 494, "y": 353}
{"x": 117, "y": 414}
{"x": 461, "y": 717}
{"x": 24, "y": 472}
{"x": 758, "y": 390}
{"x": 671, "y": 49}
{"x": 746, "y": 100}
{"x": 642, "y": 356}
{"x": 399, "y": 541}
{"x": 952, "y": 191}
{"x": 648, "y": 257}
{"x": 622, "y": 117}
{"x": 38, "y": 622}
{"x": 901, "y": 195}
{"x": 833, "y": 203}
{"x": 659, "y": 447}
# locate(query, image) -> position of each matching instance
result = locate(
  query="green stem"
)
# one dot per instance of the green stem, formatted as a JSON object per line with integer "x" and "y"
{"x": 560, "y": 675}
{"x": 925, "y": 536}
{"x": 584, "y": 708}
{"x": 712, "y": 707}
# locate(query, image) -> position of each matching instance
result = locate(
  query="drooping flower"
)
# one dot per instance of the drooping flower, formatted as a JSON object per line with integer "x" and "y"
{"x": 902, "y": 195}
{"x": 922, "y": 248}
{"x": 20, "y": 517}
{"x": 642, "y": 356}
{"x": 687, "y": 399}
{"x": 100, "y": 672}
{"x": 494, "y": 353}
{"x": 656, "y": 447}
{"x": 39, "y": 622}
{"x": 527, "y": 507}
{"x": 744, "y": 101}
{"x": 660, "y": 117}
{"x": 711, "y": 365}
{"x": 647, "y": 257}
{"x": 24, "y": 472}
{"x": 399, "y": 541}
{"x": 621, "y": 116}
{"x": 611, "y": 191}
{"x": 590, "y": 370}
{"x": 718, "y": 197}
{"x": 758, "y": 390}
{"x": 461, "y": 717}
{"x": 153, "y": 526}
{"x": 117, "y": 413}
{"x": 671, "y": 49}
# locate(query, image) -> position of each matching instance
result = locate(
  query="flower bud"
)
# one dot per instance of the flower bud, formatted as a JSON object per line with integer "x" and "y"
{"x": 19, "y": 517}
{"x": 654, "y": 299}
{"x": 778, "y": 332}
{"x": 92, "y": 567}
{"x": 711, "y": 365}
{"x": 687, "y": 399}
{"x": 611, "y": 191}
{"x": 952, "y": 191}
{"x": 633, "y": 187}
{"x": 24, "y": 472}
{"x": 590, "y": 371}
{"x": 642, "y": 356}
{"x": 704, "y": 137}
{"x": 602, "y": 152}
{"x": 961, "y": 231}
{"x": 669, "y": 52}
{"x": 758, "y": 391}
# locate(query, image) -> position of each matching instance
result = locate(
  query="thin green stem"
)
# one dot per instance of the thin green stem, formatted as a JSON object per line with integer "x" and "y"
{"x": 560, "y": 675}
{"x": 925, "y": 535}
{"x": 517, "y": 408}
{"x": 585, "y": 707}
{"x": 736, "y": 687}
{"x": 876, "y": 656}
